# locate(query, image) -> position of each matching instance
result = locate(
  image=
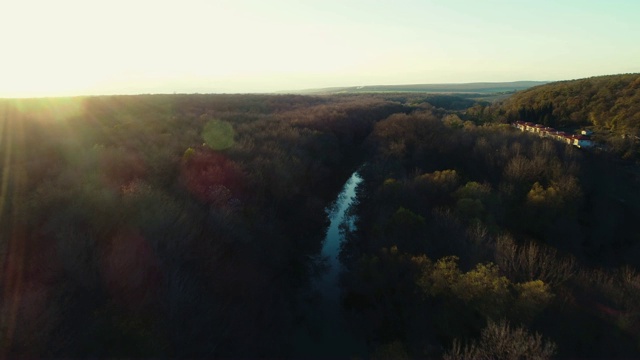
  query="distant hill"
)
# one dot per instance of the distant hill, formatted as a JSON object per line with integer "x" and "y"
{"x": 479, "y": 88}
{"x": 609, "y": 102}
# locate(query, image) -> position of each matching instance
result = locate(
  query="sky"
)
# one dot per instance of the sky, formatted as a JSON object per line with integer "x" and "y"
{"x": 91, "y": 47}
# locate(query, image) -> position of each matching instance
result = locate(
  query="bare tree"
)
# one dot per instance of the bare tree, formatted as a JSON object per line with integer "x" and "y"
{"x": 533, "y": 261}
{"x": 501, "y": 341}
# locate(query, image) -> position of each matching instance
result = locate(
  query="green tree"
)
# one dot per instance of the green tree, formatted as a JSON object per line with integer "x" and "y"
{"x": 532, "y": 297}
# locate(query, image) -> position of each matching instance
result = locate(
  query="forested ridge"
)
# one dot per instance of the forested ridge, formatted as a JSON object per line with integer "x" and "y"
{"x": 609, "y": 104}
{"x": 190, "y": 225}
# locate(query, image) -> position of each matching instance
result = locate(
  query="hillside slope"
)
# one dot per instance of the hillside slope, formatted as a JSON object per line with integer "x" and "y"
{"x": 607, "y": 102}
{"x": 480, "y": 88}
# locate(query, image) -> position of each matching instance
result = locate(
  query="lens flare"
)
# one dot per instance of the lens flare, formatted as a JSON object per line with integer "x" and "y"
{"x": 12, "y": 231}
{"x": 218, "y": 135}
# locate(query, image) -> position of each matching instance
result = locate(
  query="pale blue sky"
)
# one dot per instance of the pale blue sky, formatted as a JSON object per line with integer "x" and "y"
{"x": 75, "y": 47}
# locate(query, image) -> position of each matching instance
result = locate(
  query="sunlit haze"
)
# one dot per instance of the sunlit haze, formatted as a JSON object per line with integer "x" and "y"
{"x": 72, "y": 47}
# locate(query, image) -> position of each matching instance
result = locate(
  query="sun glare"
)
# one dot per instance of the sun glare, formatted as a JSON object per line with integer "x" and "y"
{"x": 72, "y": 47}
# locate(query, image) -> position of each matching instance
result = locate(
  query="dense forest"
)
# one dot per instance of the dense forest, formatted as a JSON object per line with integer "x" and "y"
{"x": 167, "y": 225}
{"x": 468, "y": 236}
{"x": 189, "y": 226}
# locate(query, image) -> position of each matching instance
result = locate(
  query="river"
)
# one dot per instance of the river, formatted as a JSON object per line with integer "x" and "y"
{"x": 328, "y": 284}
{"x": 326, "y": 334}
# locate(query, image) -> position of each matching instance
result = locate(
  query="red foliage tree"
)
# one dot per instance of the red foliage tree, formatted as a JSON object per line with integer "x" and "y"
{"x": 212, "y": 177}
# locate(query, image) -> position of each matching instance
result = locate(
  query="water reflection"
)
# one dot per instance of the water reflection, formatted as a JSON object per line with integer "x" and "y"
{"x": 327, "y": 284}
{"x": 325, "y": 333}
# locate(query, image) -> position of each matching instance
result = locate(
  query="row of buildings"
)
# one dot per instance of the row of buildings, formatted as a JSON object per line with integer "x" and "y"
{"x": 582, "y": 141}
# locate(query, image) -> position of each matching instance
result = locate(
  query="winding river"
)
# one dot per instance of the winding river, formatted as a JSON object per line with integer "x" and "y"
{"x": 327, "y": 335}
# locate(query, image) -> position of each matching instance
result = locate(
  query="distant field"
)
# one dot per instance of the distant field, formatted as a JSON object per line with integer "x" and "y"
{"x": 476, "y": 88}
